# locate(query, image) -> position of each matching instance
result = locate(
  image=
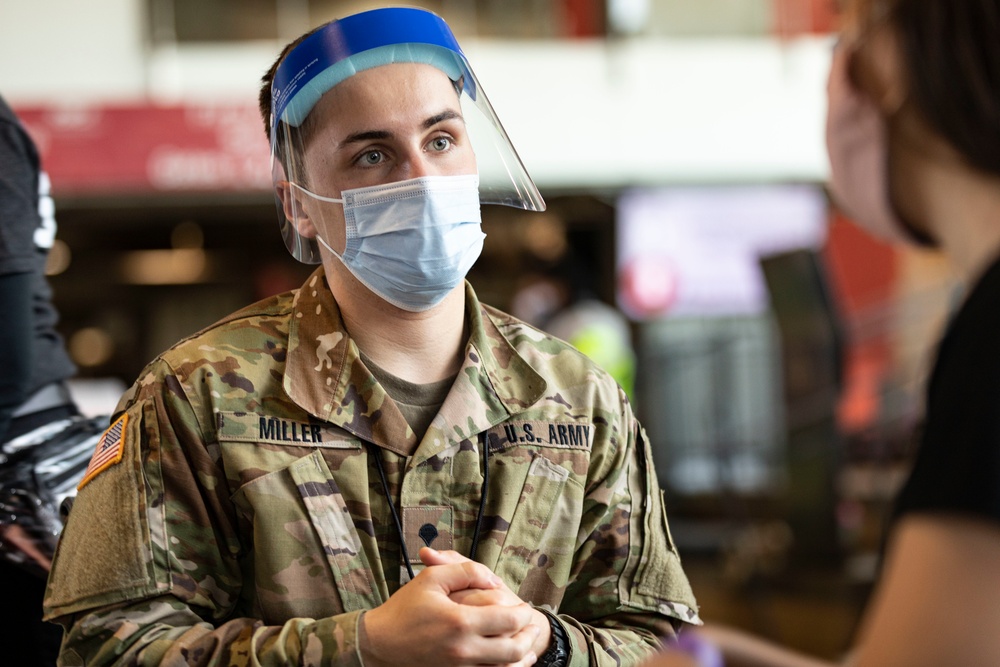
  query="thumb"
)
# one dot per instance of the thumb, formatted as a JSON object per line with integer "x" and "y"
{"x": 452, "y": 577}
{"x": 431, "y": 557}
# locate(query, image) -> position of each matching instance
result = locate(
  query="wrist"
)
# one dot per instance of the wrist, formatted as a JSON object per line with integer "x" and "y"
{"x": 366, "y": 648}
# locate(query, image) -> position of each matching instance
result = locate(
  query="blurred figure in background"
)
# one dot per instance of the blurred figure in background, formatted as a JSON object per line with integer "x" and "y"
{"x": 563, "y": 301}
{"x": 33, "y": 397}
{"x": 913, "y": 135}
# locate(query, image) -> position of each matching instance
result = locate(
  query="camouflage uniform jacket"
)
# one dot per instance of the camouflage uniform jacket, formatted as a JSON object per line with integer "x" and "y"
{"x": 245, "y": 523}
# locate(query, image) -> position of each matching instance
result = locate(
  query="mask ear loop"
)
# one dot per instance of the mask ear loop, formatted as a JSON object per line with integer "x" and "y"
{"x": 332, "y": 200}
{"x": 326, "y": 245}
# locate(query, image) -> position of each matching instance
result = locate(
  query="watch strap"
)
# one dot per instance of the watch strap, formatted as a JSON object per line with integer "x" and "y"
{"x": 557, "y": 655}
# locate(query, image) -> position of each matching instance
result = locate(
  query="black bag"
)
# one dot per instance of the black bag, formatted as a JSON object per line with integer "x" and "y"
{"x": 39, "y": 473}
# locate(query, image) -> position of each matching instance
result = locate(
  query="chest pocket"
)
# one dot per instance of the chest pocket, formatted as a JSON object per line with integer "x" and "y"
{"x": 307, "y": 556}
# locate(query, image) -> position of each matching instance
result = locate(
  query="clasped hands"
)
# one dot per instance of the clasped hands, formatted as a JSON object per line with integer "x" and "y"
{"x": 455, "y": 612}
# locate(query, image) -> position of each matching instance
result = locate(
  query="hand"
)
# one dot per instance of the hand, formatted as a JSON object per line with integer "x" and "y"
{"x": 692, "y": 649}
{"x": 671, "y": 660}
{"x": 421, "y": 622}
{"x": 479, "y": 597}
{"x": 16, "y": 536}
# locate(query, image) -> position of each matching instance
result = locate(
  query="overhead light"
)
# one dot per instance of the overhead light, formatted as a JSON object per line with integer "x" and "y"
{"x": 628, "y": 17}
{"x": 545, "y": 236}
{"x": 58, "y": 259}
{"x": 180, "y": 266}
{"x": 91, "y": 346}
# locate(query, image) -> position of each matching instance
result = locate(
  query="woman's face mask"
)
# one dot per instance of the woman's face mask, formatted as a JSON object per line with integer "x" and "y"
{"x": 857, "y": 145}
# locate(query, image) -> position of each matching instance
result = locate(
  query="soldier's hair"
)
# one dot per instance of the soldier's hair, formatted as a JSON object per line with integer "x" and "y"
{"x": 951, "y": 50}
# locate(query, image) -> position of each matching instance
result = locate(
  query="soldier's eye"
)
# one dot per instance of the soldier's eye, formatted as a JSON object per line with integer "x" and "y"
{"x": 372, "y": 158}
{"x": 440, "y": 144}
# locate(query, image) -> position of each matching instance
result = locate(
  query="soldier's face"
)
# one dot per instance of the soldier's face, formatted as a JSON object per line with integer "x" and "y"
{"x": 386, "y": 124}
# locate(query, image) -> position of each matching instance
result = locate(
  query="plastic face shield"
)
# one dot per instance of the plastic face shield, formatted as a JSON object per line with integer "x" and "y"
{"x": 364, "y": 41}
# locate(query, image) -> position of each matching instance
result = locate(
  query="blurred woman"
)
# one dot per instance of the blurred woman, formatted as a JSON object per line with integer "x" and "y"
{"x": 913, "y": 134}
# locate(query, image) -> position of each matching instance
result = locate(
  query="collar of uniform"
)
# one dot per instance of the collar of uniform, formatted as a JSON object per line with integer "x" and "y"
{"x": 514, "y": 382}
{"x": 493, "y": 383}
{"x": 326, "y": 377}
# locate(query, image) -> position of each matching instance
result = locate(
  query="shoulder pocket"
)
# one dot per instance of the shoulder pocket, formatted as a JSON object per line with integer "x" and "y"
{"x": 660, "y": 582}
{"x": 109, "y": 529}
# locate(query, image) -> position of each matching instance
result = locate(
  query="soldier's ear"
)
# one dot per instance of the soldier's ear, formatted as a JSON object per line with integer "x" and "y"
{"x": 295, "y": 210}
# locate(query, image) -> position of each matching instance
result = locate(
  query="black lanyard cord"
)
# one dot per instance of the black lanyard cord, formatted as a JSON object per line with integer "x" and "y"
{"x": 377, "y": 455}
{"x": 484, "y": 445}
{"x": 404, "y": 554}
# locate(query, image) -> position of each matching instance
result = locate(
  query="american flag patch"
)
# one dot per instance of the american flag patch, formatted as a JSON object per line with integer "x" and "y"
{"x": 109, "y": 450}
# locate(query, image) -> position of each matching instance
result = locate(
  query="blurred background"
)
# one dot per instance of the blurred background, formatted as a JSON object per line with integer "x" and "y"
{"x": 774, "y": 352}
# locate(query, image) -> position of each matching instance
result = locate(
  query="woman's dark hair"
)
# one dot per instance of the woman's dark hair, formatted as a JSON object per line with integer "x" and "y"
{"x": 952, "y": 52}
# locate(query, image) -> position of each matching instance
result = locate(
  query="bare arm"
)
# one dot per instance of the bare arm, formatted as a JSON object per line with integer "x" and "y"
{"x": 937, "y": 603}
{"x": 737, "y": 649}
{"x": 741, "y": 649}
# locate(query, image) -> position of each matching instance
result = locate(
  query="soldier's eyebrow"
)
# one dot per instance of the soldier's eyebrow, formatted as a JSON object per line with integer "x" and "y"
{"x": 370, "y": 135}
{"x": 448, "y": 114}
{"x": 367, "y": 135}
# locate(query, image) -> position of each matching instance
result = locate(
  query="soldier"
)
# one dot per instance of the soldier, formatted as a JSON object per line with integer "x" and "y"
{"x": 375, "y": 468}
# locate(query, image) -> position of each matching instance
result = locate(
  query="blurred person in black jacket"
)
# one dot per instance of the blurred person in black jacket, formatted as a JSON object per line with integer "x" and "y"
{"x": 33, "y": 395}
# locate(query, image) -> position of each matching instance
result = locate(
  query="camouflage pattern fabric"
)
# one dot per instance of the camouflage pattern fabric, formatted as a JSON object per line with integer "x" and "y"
{"x": 246, "y": 525}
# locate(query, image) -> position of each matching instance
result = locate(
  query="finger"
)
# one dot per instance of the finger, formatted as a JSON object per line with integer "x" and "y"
{"x": 454, "y": 577}
{"x": 434, "y": 557}
{"x": 20, "y": 539}
{"x": 525, "y": 640}
{"x": 500, "y": 620}
{"x": 478, "y": 597}
{"x": 515, "y": 651}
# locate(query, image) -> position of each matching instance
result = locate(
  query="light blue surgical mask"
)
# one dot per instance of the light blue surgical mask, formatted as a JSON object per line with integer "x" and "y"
{"x": 411, "y": 242}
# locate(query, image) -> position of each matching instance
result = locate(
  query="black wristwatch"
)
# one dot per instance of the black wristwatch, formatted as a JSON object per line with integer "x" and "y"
{"x": 557, "y": 654}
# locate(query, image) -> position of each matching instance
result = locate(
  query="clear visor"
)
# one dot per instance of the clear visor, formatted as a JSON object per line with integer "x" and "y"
{"x": 301, "y": 126}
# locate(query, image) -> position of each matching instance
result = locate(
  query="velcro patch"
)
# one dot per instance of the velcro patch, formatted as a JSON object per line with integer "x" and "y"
{"x": 545, "y": 434}
{"x": 108, "y": 452}
{"x": 255, "y": 428}
{"x": 428, "y": 524}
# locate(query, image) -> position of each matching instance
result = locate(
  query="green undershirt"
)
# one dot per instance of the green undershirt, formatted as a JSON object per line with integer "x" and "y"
{"x": 419, "y": 403}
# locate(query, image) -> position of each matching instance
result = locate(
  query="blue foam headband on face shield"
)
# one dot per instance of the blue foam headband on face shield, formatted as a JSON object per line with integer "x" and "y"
{"x": 356, "y": 43}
